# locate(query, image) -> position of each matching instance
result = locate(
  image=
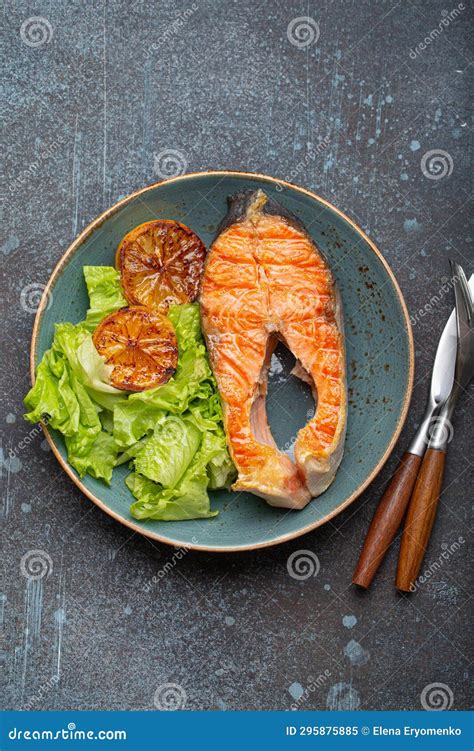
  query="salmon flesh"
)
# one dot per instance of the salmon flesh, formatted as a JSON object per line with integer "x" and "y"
{"x": 265, "y": 281}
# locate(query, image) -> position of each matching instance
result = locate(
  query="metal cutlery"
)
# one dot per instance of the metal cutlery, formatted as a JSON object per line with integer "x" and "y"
{"x": 421, "y": 469}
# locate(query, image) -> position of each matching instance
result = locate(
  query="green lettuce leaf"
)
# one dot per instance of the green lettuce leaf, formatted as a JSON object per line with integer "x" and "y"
{"x": 96, "y": 459}
{"x": 95, "y": 373}
{"x": 172, "y": 435}
{"x": 62, "y": 396}
{"x": 187, "y": 324}
{"x": 211, "y": 467}
{"x": 133, "y": 419}
{"x": 188, "y": 501}
{"x": 220, "y": 467}
{"x": 72, "y": 353}
{"x": 166, "y": 456}
{"x": 58, "y": 395}
{"x": 46, "y": 402}
{"x": 193, "y": 380}
{"x": 131, "y": 452}
{"x": 105, "y": 293}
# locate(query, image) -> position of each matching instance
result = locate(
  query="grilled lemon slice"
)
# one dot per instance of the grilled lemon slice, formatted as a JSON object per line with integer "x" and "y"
{"x": 140, "y": 345}
{"x": 161, "y": 263}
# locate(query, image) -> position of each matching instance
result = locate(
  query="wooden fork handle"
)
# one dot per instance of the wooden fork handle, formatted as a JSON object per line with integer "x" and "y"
{"x": 420, "y": 517}
{"x": 387, "y": 519}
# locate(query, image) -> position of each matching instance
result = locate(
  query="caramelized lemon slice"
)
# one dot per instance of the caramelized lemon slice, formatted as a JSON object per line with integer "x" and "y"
{"x": 161, "y": 263}
{"x": 140, "y": 345}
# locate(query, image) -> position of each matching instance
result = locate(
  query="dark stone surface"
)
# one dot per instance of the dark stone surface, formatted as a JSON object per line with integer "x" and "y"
{"x": 87, "y": 113}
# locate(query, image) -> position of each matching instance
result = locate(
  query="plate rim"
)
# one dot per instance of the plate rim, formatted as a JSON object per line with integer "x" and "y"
{"x": 97, "y": 222}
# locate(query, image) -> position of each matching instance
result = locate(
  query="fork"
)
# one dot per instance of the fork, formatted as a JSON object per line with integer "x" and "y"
{"x": 424, "y": 501}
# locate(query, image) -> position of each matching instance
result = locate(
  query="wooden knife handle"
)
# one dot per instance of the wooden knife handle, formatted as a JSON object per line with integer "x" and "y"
{"x": 420, "y": 517}
{"x": 387, "y": 519}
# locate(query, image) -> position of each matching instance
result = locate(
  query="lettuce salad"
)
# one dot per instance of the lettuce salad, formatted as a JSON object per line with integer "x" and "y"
{"x": 171, "y": 436}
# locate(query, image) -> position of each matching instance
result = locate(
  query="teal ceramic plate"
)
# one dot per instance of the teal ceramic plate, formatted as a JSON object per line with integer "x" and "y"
{"x": 378, "y": 341}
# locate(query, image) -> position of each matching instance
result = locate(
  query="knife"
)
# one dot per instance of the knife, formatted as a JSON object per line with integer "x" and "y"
{"x": 391, "y": 509}
{"x": 424, "y": 501}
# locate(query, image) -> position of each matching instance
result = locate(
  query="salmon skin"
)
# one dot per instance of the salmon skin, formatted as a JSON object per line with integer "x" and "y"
{"x": 265, "y": 281}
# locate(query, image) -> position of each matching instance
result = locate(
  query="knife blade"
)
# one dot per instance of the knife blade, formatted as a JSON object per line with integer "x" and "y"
{"x": 442, "y": 378}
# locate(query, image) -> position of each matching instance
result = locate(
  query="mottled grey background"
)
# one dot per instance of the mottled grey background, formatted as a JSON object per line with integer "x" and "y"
{"x": 87, "y": 112}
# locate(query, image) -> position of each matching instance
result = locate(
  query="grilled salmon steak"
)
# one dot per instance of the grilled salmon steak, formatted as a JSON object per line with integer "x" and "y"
{"x": 264, "y": 281}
